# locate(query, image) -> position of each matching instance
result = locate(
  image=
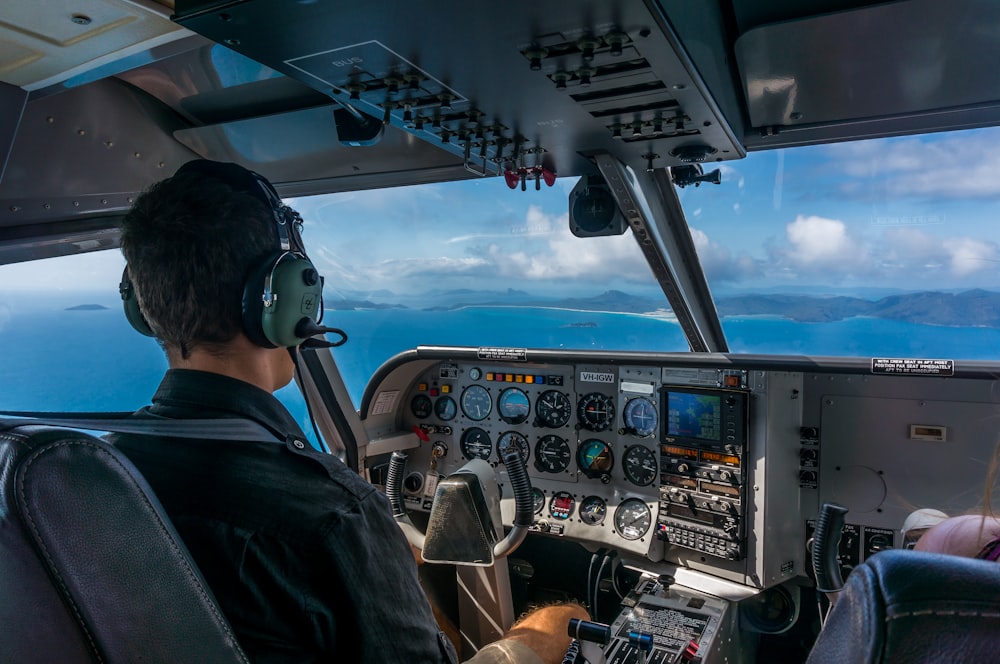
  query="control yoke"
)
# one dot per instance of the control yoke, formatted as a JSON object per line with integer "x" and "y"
{"x": 465, "y": 517}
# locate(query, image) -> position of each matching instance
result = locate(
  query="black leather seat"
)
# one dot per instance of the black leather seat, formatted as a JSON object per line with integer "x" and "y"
{"x": 910, "y": 606}
{"x": 91, "y": 569}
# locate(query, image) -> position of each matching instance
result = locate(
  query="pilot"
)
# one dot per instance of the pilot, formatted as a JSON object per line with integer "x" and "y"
{"x": 301, "y": 553}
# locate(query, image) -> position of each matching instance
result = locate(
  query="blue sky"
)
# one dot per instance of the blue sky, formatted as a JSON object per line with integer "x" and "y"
{"x": 906, "y": 213}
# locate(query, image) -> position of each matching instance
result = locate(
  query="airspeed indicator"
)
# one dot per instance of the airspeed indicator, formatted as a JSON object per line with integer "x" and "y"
{"x": 476, "y": 402}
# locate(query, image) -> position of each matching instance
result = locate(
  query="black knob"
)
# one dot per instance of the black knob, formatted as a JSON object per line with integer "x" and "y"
{"x": 310, "y": 277}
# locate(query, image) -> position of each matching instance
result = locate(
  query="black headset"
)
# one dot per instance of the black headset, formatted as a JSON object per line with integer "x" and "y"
{"x": 282, "y": 295}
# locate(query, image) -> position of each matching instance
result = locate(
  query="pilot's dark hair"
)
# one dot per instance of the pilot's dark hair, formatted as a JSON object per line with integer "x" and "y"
{"x": 190, "y": 241}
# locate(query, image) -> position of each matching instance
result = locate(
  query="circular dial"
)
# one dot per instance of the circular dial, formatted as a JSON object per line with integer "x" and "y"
{"x": 513, "y": 406}
{"x": 552, "y": 454}
{"x": 640, "y": 416}
{"x": 561, "y": 505}
{"x": 476, "y": 444}
{"x": 537, "y": 499}
{"x": 513, "y": 438}
{"x": 475, "y": 373}
{"x": 632, "y": 519}
{"x": 639, "y": 465}
{"x": 553, "y": 409}
{"x": 421, "y": 406}
{"x": 596, "y": 411}
{"x": 476, "y": 402}
{"x": 594, "y": 458}
{"x": 445, "y": 408}
{"x": 593, "y": 509}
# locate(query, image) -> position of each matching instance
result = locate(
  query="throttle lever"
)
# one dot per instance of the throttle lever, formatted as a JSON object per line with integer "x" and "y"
{"x": 825, "y": 546}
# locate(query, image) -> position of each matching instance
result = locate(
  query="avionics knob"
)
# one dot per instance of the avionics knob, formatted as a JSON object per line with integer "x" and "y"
{"x": 725, "y": 476}
{"x": 682, "y": 468}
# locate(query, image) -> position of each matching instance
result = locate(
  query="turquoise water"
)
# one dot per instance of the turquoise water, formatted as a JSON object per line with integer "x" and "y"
{"x": 55, "y": 359}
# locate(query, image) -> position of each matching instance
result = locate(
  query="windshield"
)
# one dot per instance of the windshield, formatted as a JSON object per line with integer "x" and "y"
{"x": 879, "y": 248}
{"x": 883, "y": 248}
{"x": 475, "y": 263}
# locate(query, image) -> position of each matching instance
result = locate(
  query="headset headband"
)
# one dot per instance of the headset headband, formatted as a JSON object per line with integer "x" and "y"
{"x": 248, "y": 182}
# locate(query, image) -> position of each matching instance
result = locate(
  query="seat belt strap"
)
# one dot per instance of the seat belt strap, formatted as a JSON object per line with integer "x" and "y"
{"x": 215, "y": 429}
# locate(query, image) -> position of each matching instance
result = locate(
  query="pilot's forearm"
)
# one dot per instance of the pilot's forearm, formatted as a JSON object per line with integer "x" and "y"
{"x": 541, "y": 637}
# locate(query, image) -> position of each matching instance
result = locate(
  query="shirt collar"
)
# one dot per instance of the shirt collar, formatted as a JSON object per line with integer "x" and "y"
{"x": 214, "y": 395}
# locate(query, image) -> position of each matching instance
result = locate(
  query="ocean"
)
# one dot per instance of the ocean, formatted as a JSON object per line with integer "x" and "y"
{"x": 91, "y": 360}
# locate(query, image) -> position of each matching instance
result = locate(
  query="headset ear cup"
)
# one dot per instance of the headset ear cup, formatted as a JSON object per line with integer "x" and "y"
{"x": 131, "y": 305}
{"x": 298, "y": 291}
{"x": 253, "y": 302}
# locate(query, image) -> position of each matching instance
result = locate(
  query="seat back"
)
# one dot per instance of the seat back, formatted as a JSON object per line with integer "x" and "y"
{"x": 91, "y": 569}
{"x": 912, "y": 606}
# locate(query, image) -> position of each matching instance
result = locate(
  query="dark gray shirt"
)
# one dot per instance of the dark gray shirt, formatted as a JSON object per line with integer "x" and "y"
{"x": 301, "y": 553}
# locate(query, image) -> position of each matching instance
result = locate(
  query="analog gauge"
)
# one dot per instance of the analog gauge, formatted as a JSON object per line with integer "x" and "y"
{"x": 445, "y": 408}
{"x": 421, "y": 406}
{"x": 639, "y": 465}
{"x": 632, "y": 519}
{"x": 476, "y": 402}
{"x": 475, "y": 373}
{"x": 596, "y": 412}
{"x": 595, "y": 458}
{"x": 640, "y": 417}
{"x": 515, "y": 440}
{"x": 537, "y": 499}
{"x": 553, "y": 409}
{"x": 593, "y": 509}
{"x": 561, "y": 505}
{"x": 513, "y": 406}
{"x": 476, "y": 444}
{"x": 552, "y": 454}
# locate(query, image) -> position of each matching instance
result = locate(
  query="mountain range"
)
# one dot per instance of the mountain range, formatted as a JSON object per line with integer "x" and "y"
{"x": 973, "y": 308}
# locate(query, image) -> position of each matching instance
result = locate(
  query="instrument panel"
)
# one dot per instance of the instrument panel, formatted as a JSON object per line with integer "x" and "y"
{"x": 705, "y": 463}
{"x": 598, "y": 442}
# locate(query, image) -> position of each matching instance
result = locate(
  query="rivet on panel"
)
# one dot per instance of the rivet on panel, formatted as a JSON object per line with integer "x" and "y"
{"x": 81, "y": 19}
{"x": 50, "y": 119}
{"x": 81, "y": 132}
{"x": 104, "y": 201}
{"x": 137, "y": 155}
{"x": 46, "y": 206}
{"x": 76, "y": 203}
{"x": 14, "y": 208}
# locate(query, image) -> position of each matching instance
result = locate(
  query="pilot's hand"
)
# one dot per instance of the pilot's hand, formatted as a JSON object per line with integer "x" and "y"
{"x": 544, "y": 630}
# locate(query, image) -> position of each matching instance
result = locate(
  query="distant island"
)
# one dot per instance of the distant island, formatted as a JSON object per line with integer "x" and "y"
{"x": 972, "y": 308}
{"x": 86, "y": 307}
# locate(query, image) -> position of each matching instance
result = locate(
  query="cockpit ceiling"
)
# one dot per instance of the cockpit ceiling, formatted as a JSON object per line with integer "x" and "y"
{"x": 44, "y": 43}
{"x": 464, "y": 89}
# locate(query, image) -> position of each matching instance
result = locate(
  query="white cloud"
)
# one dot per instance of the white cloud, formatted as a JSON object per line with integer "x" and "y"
{"x": 818, "y": 241}
{"x": 565, "y": 256}
{"x": 959, "y": 165}
{"x": 968, "y": 256}
{"x": 718, "y": 262}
